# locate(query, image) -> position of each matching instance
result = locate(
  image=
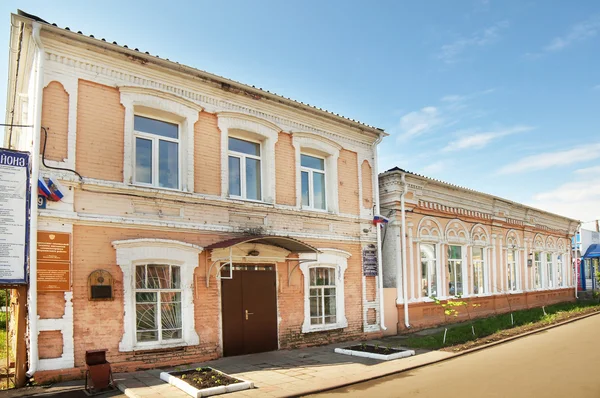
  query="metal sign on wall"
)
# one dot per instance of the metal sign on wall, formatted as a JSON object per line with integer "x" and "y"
{"x": 54, "y": 261}
{"x": 14, "y": 216}
{"x": 370, "y": 262}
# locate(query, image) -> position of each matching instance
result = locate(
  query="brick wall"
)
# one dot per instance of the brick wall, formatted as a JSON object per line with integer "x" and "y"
{"x": 55, "y": 117}
{"x": 348, "y": 182}
{"x": 291, "y": 303}
{"x": 207, "y": 155}
{"x": 285, "y": 166}
{"x": 367, "y": 185}
{"x": 99, "y": 324}
{"x": 50, "y": 344}
{"x": 100, "y": 126}
{"x": 51, "y": 305}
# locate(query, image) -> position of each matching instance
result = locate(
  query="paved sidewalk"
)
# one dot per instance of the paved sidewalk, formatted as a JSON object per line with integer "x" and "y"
{"x": 283, "y": 373}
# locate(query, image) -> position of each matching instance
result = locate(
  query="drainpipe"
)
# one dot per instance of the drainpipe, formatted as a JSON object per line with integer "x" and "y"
{"x": 33, "y": 223}
{"x": 379, "y": 243}
{"x": 403, "y": 240}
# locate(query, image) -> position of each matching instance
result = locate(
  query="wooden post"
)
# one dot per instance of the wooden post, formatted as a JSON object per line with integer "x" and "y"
{"x": 20, "y": 315}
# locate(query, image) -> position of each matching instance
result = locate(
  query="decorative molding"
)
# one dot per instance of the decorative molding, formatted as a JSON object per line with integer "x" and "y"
{"x": 65, "y": 326}
{"x": 144, "y": 251}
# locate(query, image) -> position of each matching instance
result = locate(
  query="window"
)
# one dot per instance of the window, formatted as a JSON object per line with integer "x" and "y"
{"x": 478, "y": 271}
{"x": 244, "y": 169}
{"x": 511, "y": 272}
{"x": 549, "y": 270}
{"x": 324, "y": 307}
{"x": 455, "y": 285}
{"x": 313, "y": 182}
{"x": 559, "y": 271}
{"x": 156, "y": 152}
{"x": 537, "y": 269}
{"x": 158, "y": 310}
{"x": 428, "y": 271}
{"x": 322, "y": 296}
{"x": 158, "y": 302}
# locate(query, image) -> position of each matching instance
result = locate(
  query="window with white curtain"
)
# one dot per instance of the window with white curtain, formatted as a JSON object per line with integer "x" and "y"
{"x": 478, "y": 270}
{"x": 537, "y": 270}
{"x": 455, "y": 274}
{"x": 549, "y": 270}
{"x": 428, "y": 270}
{"x": 511, "y": 270}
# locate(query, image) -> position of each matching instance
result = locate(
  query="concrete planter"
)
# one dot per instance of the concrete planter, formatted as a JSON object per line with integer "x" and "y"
{"x": 205, "y": 392}
{"x": 396, "y": 355}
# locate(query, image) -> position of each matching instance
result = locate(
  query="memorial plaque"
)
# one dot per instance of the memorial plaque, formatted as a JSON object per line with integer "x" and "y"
{"x": 54, "y": 261}
{"x": 54, "y": 276}
{"x": 370, "y": 262}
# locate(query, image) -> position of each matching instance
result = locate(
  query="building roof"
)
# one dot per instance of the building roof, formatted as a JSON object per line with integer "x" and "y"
{"x": 398, "y": 169}
{"x": 208, "y": 75}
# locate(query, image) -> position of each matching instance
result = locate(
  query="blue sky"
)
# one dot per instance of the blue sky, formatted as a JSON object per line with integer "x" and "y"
{"x": 497, "y": 96}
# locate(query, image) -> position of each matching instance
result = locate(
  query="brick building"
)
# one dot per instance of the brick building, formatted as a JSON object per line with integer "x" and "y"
{"x": 203, "y": 217}
{"x": 492, "y": 252}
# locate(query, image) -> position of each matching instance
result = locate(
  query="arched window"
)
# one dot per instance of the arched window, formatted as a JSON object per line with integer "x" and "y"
{"x": 429, "y": 237}
{"x": 512, "y": 261}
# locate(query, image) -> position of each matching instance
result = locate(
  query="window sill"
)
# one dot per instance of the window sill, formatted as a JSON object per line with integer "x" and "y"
{"x": 323, "y": 328}
{"x": 244, "y": 200}
{"x": 148, "y": 186}
{"x": 140, "y": 348}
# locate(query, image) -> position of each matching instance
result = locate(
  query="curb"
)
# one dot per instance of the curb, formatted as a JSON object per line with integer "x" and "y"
{"x": 453, "y": 356}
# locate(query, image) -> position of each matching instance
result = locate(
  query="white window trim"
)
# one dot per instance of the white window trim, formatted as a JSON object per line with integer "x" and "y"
{"x": 249, "y": 128}
{"x": 242, "y": 157}
{"x": 333, "y": 258}
{"x": 541, "y": 270}
{"x": 315, "y": 145}
{"x": 157, "y": 251}
{"x": 311, "y": 172}
{"x": 155, "y": 138}
{"x": 185, "y": 113}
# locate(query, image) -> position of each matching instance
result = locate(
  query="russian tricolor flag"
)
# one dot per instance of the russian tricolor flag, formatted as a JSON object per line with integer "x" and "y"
{"x": 379, "y": 219}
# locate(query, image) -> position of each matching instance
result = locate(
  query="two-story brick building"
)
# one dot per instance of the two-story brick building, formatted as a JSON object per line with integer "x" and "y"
{"x": 203, "y": 217}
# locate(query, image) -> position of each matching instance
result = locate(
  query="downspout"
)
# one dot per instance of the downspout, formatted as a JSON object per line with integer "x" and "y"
{"x": 379, "y": 243}
{"x": 33, "y": 224}
{"x": 403, "y": 240}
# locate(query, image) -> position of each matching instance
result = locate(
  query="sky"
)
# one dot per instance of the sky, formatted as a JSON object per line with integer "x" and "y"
{"x": 500, "y": 96}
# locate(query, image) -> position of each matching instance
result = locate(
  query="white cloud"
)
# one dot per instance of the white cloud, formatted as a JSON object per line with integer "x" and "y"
{"x": 547, "y": 160}
{"x": 419, "y": 122}
{"x": 449, "y": 53}
{"x": 578, "y": 32}
{"x": 588, "y": 170}
{"x": 578, "y": 199}
{"x": 434, "y": 168}
{"x": 480, "y": 140}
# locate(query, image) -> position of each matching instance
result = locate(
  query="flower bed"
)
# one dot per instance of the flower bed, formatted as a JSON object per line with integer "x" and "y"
{"x": 204, "y": 382}
{"x": 375, "y": 352}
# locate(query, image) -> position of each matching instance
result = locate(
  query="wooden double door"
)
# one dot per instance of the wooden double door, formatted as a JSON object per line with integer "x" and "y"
{"x": 249, "y": 309}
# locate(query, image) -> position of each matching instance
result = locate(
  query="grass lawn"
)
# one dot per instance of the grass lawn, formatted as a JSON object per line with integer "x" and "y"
{"x": 2, "y": 337}
{"x": 524, "y": 320}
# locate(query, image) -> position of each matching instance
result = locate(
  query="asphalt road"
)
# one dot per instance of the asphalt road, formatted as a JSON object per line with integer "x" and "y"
{"x": 559, "y": 362}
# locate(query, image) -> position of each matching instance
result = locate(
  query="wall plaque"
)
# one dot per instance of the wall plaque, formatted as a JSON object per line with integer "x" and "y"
{"x": 54, "y": 261}
{"x": 370, "y": 262}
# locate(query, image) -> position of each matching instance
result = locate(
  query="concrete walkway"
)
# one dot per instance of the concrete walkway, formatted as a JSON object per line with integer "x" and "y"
{"x": 283, "y": 373}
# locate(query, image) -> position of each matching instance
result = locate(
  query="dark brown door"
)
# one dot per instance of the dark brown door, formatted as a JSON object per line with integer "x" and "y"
{"x": 249, "y": 305}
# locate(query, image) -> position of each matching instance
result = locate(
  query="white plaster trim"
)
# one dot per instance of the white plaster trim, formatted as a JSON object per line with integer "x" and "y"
{"x": 268, "y": 134}
{"x": 205, "y": 392}
{"x": 332, "y": 258}
{"x": 398, "y": 355}
{"x": 138, "y": 251}
{"x": 331, "y": 151}
{"x": 187, "y": 115}
{"x": 65, "y": 326}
